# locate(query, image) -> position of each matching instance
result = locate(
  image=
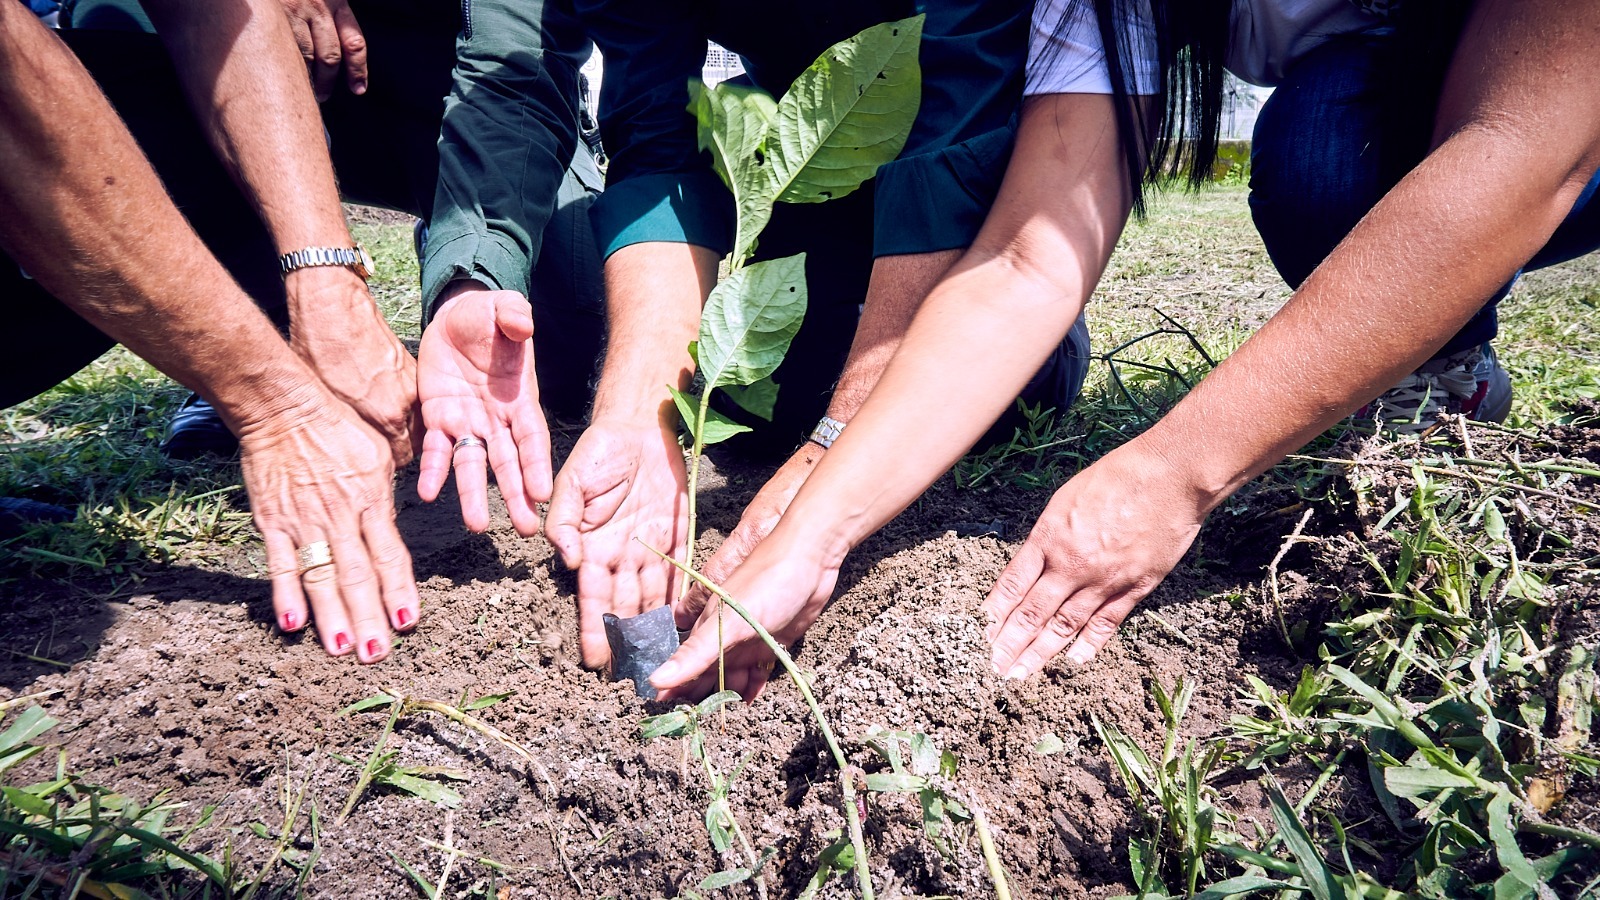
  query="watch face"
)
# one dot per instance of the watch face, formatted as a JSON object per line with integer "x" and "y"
{"x": 364, "y": 267}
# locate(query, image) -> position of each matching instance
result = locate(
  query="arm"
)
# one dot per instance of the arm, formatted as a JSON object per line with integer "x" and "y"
{"x": 1063, "y": 202}
{"x": 248, "y": 85}
{"x": 87, "y": 216}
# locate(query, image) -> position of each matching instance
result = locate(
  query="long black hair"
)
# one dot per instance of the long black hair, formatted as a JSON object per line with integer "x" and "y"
{"x": 1190, "y": 44}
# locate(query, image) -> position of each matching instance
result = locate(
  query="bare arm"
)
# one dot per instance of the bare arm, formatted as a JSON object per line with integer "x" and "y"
{"x": 978, "y": 338}
{"x": 248, "y": 85}
{"x": 88, "y": 218}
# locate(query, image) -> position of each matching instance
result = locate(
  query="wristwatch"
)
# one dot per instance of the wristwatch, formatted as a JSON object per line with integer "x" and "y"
{"x": 826, "y": 431}
{"x": 353, "y": 258}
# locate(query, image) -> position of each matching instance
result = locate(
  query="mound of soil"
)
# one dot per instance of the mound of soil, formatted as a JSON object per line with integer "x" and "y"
{"x": 179, "y": 682}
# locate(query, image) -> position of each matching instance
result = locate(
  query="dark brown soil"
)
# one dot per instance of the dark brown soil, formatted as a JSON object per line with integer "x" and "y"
{"x": 179, "y": 682}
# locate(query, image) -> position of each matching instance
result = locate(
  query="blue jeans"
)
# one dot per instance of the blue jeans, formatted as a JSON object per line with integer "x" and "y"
{"x": 1324, "y": 154}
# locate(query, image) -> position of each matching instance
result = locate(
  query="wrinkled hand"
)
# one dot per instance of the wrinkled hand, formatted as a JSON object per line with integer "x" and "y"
{"x": 785, "y": 588}
{"x": 620, "y": 493}
{"x": 1108, "y": 537}
{"x": 318, "y": 473}
{"x": 475, "y": 376}
{"x": 329, "y": 39}
{"x": 758, "y": 520}
{"x": 335, "y": 326}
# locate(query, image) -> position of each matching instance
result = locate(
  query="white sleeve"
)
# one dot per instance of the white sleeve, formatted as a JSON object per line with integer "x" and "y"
{"x": 1066, "y": 55}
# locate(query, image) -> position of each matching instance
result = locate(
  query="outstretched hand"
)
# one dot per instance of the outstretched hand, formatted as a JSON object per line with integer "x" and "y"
{"x": 1107, "y": 539}
{"x": 475, "y": 377}
{"x": 621, "y": 493}
{"x": 318, "y": 473}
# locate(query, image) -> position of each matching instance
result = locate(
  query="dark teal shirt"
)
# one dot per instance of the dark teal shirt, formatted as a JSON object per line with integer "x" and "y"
{"x": 661, "y": 187}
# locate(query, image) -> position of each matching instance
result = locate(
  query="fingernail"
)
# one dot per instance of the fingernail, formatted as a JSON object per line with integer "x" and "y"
{"x": 290, "y": 621}
{"x": 341, "y": 642}
{"x": 403, "y": 617}
{"x": 1079, "y": 655}
{"x": 374, "y": 648}
{"x": 1017, "y": 673}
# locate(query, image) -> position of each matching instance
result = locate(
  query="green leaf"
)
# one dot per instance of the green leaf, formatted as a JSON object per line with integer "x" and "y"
{"x": 727, "y": 878}
{"x": 750, "y": 319}
{"x": 1318, "y": 877}
{"x": 715, "y": 702}
{"x": 718, "y": 820}
{"x": 1413, "y": 782}
{"x": 486, "y": 702}
{"x": 1509, "y": 886}
{"x": 1049, "y": 744}
{"x": 756, "y": 399}
{"x": 428, "y": 890}
{"x": 1503, "y": 832}
{"x": 1245, "y": 884}
{"x": 838, "y": 858}
{"x": 1252, "y": 858}
{"x": 890, "y": 782}
{"x": 672, "y": 724}
{"x": 718, "y": 427}
{"x": 369, "y": 703}
{"x": 431, "y": 791}
{"x": 847, "y": 114}
{"x": 32, "y": 723}
{"x": 28, "y": 803}
{"x": 735, "y": 124}
{"x": 925, "y": 755}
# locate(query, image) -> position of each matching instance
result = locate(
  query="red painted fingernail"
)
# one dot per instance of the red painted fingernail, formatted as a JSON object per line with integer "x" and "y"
{"x": 403, "y": 617}
{"x": 341, "y": 642}
{"x": 372, "y": 647}
{"x": 289, "y": 621}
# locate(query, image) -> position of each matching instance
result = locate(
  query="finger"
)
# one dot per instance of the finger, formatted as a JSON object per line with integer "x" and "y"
{"x": 653, "y": 585}
{"x": 302, "y": 39}
{"x": 508, "y": 474}
{"x": 625, "y": 599}
{"x": 326, "y": 55}
{"x": 533, "y": 450}
{"x": 333, "y": 620}
{"x": 1013, "y": 584}
{"x": 759, "y": 676}
{"x": 687, "y": 609}
{"x": 561, "y": 520}
{"x": 354, "y": 45}
{"x": 699, "y": 653}
{"x": 358, "y": 586}
{"x": 1100, "y": 628}
{"x": 435, "y": 468}
{"x": 697, "y": 689}
{"x": 288, "y": 600}
{"x": 471, "y": 464}
{"x": 513, "y": 315}
{"x": 594, "y": 595}
{"x": 396, "y": 579}
{"x": 1028, "y": 618}
{"x": 1061, "y": 628}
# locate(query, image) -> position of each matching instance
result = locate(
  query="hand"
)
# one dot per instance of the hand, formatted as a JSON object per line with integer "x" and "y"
{"x": 475, "y": 376}
{"x": 1108, "y": 537}
{"x": 337, "y": 328}
{"x": 319, "y": 473}
{"x": 329, "y": 37}
{"x": 785, "y": 587}
{"x": 621, "y": 492}
{"x": 757, "y": 522}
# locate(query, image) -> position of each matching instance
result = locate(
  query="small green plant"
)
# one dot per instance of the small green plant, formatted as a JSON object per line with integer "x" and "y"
{"x": 73, "y": 838}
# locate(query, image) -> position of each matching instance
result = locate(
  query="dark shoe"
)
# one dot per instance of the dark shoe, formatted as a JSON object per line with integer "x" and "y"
{"x": 18, "y": 515}
{"x": 197, "y": 430}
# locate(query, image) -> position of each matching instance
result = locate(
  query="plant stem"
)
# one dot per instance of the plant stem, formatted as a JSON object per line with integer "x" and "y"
{"x": 695, "y": 455}
{"x": 847, "y": 787}
{"x": 991, "y": 857}
{"x": 396, "y": 707}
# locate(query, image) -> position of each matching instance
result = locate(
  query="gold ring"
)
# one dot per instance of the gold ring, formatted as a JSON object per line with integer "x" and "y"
{"x": 314, "y": 555}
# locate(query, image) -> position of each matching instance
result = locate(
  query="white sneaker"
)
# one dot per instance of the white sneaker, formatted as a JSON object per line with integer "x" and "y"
{"x": 1470, "y": 383}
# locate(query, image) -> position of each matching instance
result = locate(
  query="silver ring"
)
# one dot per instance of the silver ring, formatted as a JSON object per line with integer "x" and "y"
{"x": 314, "y": 555}
{"x": 467, "y": 440}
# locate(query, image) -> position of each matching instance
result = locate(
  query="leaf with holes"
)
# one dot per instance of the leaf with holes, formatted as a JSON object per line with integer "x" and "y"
{"x": 750, "y": 320}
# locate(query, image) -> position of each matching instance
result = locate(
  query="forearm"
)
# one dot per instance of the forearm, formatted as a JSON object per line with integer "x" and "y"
{"x": 247, "y": 82}
{"x": 87, "y": 217}
{"x": 1517, "y": 141}
{"x": 897, "y": 289}
{"x": 654, "y": 293}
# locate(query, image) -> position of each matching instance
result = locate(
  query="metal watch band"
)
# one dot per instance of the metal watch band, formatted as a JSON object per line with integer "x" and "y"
{"x": 349, "y": 257}
{"x": 826, "y": 432}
